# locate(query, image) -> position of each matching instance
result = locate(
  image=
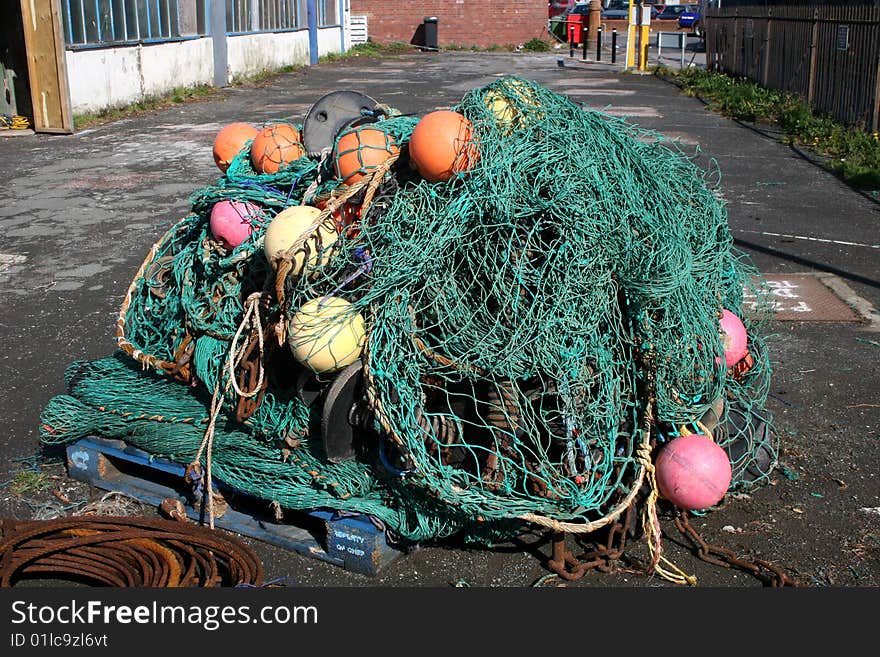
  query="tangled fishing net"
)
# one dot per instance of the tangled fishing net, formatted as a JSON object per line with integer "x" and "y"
{"x": 529, "y": 330}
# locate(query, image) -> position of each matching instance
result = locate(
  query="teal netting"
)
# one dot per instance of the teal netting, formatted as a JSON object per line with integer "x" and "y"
{"x": 529, "y": 324}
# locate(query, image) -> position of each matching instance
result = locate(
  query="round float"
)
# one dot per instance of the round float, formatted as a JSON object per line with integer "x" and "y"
{"x": 326, "y": 334}
{"x": 441, "y": 145}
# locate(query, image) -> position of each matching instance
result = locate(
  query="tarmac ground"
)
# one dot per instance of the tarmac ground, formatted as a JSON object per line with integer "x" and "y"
{"x": 79, "y": 213}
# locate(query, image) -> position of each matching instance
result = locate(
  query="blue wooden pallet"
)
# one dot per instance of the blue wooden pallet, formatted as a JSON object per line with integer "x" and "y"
{"x": 352, "y": 542}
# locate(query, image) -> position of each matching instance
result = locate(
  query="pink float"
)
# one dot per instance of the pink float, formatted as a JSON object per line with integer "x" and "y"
{"x": 693, "y": 472}
{"x": 734, "y": 338}
{"x": 232, "y": 222}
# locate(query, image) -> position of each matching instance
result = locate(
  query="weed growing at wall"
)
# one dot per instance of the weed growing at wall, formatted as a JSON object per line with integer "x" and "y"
{"x": 176, "y": 95}
{"x": 536, "y": 45}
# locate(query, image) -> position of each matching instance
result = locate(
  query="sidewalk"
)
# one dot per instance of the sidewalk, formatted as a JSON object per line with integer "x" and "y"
{"x": 79, "y": 213}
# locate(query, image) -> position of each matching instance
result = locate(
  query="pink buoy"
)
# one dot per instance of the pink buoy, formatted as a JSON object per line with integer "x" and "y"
{"x": 232, "y": 222}
{"x": 734, "y": 338}
{"x": 693, "y": 472}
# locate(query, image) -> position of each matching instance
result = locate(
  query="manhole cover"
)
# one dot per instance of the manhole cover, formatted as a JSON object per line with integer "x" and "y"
{"x": 803, "y": 298}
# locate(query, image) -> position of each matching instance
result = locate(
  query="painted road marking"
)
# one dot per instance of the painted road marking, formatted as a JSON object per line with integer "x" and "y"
{"x": 623, "y": 111}
{"x": 584, "y": 83}
{"x": 808, "y": 238}
{"x": 682, "y": 138}
{"x": 7, "y": 260}
{"x": 594, "y": 91}
{"x": 807, "y": 297}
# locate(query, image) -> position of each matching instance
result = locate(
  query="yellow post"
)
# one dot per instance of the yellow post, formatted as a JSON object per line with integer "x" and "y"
{"x": 631, "y": 37}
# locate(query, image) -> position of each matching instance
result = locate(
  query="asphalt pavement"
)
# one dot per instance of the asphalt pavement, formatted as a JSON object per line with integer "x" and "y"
{"x": 78, "y": 214}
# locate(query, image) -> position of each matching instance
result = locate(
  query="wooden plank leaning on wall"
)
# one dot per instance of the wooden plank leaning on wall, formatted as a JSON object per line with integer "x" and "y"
{"x": 47, "y": 67}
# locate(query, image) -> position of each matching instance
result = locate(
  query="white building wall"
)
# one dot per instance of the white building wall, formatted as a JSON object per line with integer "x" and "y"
{"x": 329, "y": 41}
{"x": 103, "y": 78}
{"x": 190, "y": 64}
{"x": 248, "y": 54}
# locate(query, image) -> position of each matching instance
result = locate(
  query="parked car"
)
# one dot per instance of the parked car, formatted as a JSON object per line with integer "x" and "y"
{"x": 617, "y": 10}
{"x": 691, "y": 18}
{"x": 671, "y": 12}
{"x": 582, "y": 8}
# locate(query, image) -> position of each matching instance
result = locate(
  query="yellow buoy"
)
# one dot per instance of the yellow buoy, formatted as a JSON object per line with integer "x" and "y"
{"x": 503, "y": 110}
{"x": 289, "y": 226}
{"x": 326, "y": 334}
{"x": 514, "y": 104}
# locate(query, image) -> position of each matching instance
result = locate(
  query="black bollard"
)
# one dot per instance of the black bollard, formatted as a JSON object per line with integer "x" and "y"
{"x": 584, "y": 46}
{"x": 571, "y": 40}
{"x": 599, "y": 45}
{"x": 614, "y": 45}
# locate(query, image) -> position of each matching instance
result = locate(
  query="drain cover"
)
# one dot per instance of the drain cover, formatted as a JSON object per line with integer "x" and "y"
{"x": 803, "y": 298}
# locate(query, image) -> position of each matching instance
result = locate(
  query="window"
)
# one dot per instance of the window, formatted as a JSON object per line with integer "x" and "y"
{"x": 279, "y": 14}
{"x": 327, "y": 12}
{"x": 108, "y": 22}
{"x": 264, "y": 15}
{"x": 120, "y": 21}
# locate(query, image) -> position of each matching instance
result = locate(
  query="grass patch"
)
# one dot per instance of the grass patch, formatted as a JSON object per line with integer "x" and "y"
{"x": 369, "y": 49}
{"x": 262, "y": 76}
{"x": 28, "y": 482}
{"x": 375, "y": 49}
{"x": 851, "y": 153}
{"x": 495, "y": 47}
{"x": 536, "y": 45}
{"x": 173, "y": 97}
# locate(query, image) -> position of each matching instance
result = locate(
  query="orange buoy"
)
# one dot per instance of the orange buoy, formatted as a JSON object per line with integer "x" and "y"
{"x": 442, "y": 145}
{"x": 275, "y": 146}
{"x": 361, "y": 149}
{"x": 230, "y": 141}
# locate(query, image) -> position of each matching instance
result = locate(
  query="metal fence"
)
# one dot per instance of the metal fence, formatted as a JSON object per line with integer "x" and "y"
{"x": 117, "y": 22}
{"x": 829, "y": 54}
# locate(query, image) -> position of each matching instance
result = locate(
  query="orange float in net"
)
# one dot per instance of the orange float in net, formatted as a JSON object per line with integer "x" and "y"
{"x": 230, "y": 141}
{"x": 442, "y": 145}
{"x": 275, "y": 146}
{"x": 360, "y": 150}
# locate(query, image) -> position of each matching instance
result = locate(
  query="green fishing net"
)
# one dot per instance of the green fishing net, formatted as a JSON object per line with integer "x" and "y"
{"x": 528, "y": 325}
